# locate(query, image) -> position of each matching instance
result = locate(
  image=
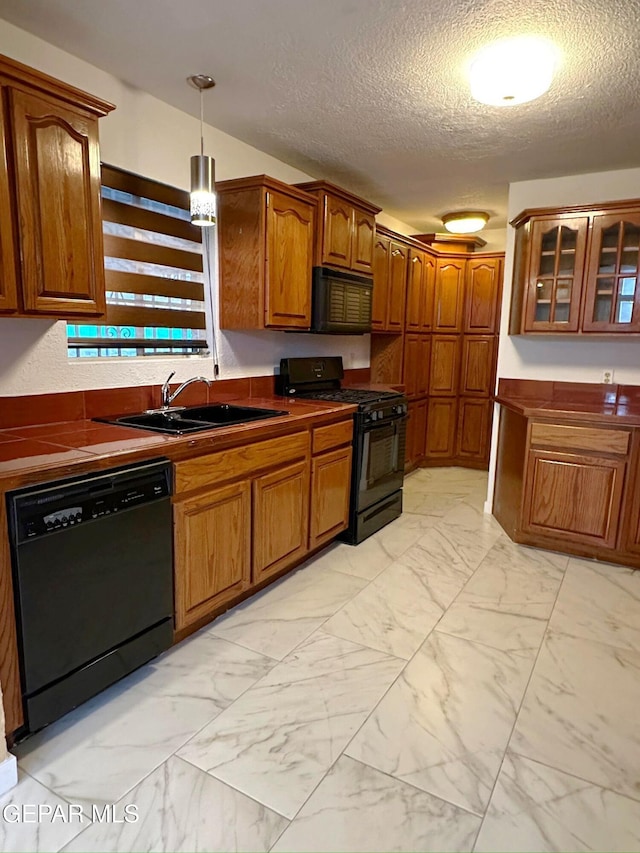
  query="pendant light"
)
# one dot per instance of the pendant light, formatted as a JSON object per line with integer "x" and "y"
{"x": 203, "y": 197}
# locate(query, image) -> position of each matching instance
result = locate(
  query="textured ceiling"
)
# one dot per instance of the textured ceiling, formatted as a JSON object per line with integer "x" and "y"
{"x": 372, "y": 93}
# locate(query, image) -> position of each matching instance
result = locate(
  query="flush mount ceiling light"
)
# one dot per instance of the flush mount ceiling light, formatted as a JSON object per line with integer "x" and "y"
{"x": 513, "y": 71}
{"x": 465, "y": 221}
{"x": 203, "y": 197}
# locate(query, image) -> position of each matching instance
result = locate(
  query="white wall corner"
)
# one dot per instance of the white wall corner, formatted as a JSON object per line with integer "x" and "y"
{"x": 8, "y": 773}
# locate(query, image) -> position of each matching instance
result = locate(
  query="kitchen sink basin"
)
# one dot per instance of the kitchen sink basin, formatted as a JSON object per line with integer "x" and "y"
{"x": 194, "y": 418}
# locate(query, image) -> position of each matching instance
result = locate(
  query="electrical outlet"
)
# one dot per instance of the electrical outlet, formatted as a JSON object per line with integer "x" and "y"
{"x": 607, "y": 376}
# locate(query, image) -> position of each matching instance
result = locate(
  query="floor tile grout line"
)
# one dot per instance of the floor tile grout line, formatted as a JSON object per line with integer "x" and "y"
{"x": 519, "y": 709}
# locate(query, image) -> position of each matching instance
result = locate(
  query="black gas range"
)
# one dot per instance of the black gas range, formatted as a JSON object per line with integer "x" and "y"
{"x": 378, "y": 439}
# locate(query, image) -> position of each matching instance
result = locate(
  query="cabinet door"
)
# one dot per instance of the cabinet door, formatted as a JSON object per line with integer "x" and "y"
{"x": 448, "y": 302}
{"x": 58, "y": 193}
{"x": 338, "y": 230}
{"x": 8, "y": 269}
{"x": 445, "y": 365}
{"x": 555, "y": 273}
{"x": 574, "y": 497}
{"x": 415, "y": 275}
{"x": 212, "y": 550}
{"x": 397, "y": 286}
{"x": 364, "y": 230}
{"x": 416, "y": 433}
{"x": 473, "y": 439}
{"x": 280, "y": 519}
{"x": 482, "y": 295}
{"x": 612, "y": 301}
{"x": 417, "y": 351}
{"x": 428, "y": 291}
{"x": 330, "y": 491}
{"x": 288, "y": 262}
{"x": 381, "y": 252}
{"x": 441, "y": 428}
{"x": 476, "y": 373}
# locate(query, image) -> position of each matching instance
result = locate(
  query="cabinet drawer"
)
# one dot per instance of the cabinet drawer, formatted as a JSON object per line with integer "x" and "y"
{"x": 333, "y": 435}
{"x": 614, "y": 442}
{"x": 238, "y": 462}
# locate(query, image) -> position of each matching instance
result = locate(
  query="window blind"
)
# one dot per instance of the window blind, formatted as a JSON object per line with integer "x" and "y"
{"x": 153, "y": 271}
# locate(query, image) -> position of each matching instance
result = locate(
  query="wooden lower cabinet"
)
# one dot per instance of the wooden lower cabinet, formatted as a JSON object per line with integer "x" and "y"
{"x": 441, "y": 427}
{"x": 416, "y": 433}
{"x": 474, "y": 428}
{"x": 330, "y": 492}
{"x": 212, "y": 550}
{"x": 280, "y": 519}
{"x": 578, "y": 497}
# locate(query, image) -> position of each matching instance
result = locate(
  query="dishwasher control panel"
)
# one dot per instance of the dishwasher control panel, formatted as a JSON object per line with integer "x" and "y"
{"x": 51, "y": 510}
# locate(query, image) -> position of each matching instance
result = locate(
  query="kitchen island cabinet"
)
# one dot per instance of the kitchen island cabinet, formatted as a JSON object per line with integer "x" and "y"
{"x": 51, "y": 249}
{"x": 567, "y": 468}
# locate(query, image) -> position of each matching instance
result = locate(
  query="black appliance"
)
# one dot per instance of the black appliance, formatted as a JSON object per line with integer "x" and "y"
{"x": 379, "y": 437}
{"x": 340, "y": 302}
{"x": 93, "y": 582}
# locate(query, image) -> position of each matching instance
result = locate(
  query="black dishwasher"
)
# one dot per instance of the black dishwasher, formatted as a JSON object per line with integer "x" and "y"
{"x": 93, "y": 582}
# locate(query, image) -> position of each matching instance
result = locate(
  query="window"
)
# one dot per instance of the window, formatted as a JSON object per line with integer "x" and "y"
{"x": 153, "y": 270}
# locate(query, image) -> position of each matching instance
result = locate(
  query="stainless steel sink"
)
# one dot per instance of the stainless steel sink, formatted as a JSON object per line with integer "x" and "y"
{"x": 193, "y": 418}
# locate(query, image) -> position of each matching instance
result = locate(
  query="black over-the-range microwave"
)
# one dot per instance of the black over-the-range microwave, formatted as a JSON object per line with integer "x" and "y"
{"x": 340, "y": 302}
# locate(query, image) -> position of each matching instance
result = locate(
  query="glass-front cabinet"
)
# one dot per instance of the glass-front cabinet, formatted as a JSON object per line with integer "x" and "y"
{"x": 613, "y": 291}
{"x": 577, "y": 270}
{"x": 556, "y": 268}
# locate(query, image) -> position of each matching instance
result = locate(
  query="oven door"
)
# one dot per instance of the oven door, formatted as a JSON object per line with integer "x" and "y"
{"x": 380, "y": 461}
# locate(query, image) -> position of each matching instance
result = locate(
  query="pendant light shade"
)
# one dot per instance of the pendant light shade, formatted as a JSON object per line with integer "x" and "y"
{"x": 203, "y": 194}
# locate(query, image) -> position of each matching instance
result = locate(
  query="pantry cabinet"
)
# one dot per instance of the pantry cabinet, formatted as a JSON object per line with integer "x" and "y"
{"x": 577, "y": 270}
{"x": 474, "y": 429}
{"x": 51, "y": 249}
{"x": 265, "y": 240}
{"x": 417, "y": 360}
{"x": 449, "y": 294}
{"x": 441, "y": 427}
{"x": 483, "y": 291}
{"x": 345, "y": 228}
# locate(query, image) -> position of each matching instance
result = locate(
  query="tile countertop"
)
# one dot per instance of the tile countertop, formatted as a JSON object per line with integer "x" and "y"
{"x": 608, "y": 404}
{"x": 67, "y": 447}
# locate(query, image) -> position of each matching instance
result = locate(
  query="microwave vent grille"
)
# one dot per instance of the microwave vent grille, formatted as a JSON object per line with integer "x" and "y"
{"x": 348, "y": 304}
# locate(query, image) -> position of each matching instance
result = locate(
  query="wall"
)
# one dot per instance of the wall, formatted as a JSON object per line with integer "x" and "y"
{"x": 567, "y": 358}
{"x": 147, "y": 136}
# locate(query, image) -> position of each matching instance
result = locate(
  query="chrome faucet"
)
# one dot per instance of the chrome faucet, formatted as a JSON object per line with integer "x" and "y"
{"x": 168, "y": 398}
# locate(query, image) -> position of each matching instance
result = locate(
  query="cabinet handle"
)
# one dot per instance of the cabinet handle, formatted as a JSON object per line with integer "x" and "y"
{"x": 396, "y": 252}
{"x": 414, "y": 260}
{"x": 268, "y": 196}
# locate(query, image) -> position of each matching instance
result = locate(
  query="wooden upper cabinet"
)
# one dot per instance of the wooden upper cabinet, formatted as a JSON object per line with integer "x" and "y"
{"x": 338, "y": 232}
{"x": 448, "y": 305}
{"x": 51, "y": 251}
{"x": 364, "y": 230}
{"x": 483, "y": 289}
{"x": 57, "y": 170}
{"x": 577, "y": 270}
{"x": 288, "y": 263}
{"x": 265, "y": 239}
{"x": 612, "y": 301}
{"x": 381, "y": 252}
{"x": 389, "y": 284}
{"x": 345, "y": 228}
{"x": 420, "y": 288}
{"x": 8, "y": 257}
{"x": 477, "y": 370}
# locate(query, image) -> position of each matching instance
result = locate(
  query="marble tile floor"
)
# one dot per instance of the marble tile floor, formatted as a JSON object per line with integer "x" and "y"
{"x": 436, "y": 688}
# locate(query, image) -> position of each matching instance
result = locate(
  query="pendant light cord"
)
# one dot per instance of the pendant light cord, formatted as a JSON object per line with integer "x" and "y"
{"x": 201, "y": 122}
